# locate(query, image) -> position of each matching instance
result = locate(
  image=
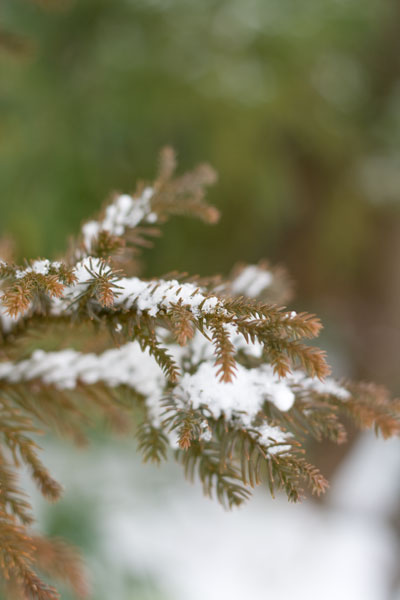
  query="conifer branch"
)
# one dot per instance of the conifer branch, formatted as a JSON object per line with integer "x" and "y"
{"x": 219, "y": 369}
{"x": 152, "y": 443}
{"x": 12, "y": 499}
{"x": 61, "y": 561}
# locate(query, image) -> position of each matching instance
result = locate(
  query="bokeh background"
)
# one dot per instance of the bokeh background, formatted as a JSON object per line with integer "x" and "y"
{"x": 296, "y": 103}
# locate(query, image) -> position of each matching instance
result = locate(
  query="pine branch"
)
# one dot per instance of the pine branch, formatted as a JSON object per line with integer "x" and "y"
{"x": 225, "y": 484}
{"x": 12, "y": 499}
{"x": 186, "y": 422}
{"x": 284, "y": 354}
{"x": 372, "y": 406}
{"x": 225, "y": 352}
{"x": 13, "y": 428}
{"x": 290, "y": 473}
{"x": 220, "y": 372}
{"x": 16, "y": 558}
{"x": 148, "y": 341}
{"x": 58, "y": 560}
{"x": 182, "y": 324}
{"x": 152, "y": 443}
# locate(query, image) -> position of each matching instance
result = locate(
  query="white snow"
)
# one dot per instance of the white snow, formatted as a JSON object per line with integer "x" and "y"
{"x": 251, "y": 281}
{"x": 241, "y": 399}
{"x": 125, "y": 212}
{"x": 150, "y": 296}
{"x": 90, "y": 231}
{"x": 82, "y": 272}
{"x": 41, "y": 267}
{"x": 328, "y": 386}
{"x": 128, "y": 365}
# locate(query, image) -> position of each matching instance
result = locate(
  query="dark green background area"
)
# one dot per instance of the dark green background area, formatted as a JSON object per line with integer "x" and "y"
{"x": 296, "y": 104}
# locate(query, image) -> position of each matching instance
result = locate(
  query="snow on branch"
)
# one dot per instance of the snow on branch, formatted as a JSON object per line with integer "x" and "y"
{"x": 124, "y": 212}
{"x": 218, "y": 370}
{"x": 99, "y": 291}
{"x": 129, "y": 218}
{"x": 240, "y": 403}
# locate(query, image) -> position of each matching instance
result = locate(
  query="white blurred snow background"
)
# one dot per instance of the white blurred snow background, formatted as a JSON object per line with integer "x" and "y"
{"x": 151, "y": 525}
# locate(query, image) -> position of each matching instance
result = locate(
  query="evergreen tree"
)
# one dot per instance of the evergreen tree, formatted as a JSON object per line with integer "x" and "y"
{"x": 215, "y": 370}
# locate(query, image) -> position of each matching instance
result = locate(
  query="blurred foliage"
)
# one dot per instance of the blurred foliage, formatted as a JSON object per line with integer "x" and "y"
{"x": 295, "y": 104}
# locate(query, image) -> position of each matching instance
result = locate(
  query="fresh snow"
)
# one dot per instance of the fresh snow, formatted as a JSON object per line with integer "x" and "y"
{"x": 150, "y": 296}
{"x": 41, "y": 267}
{"x": 251, "y": 281}
{"x": 131, "y": 292}
{"x": 239, "y": 401}
{"x": 328, "y": 387}
{"x": 125, "y": 212}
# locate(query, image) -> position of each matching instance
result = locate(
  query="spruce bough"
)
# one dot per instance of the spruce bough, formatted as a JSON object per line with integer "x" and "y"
{"x": 215, "y": 370}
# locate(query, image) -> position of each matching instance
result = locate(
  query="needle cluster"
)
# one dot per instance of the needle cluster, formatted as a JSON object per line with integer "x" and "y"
{"x": 215, "y": 371}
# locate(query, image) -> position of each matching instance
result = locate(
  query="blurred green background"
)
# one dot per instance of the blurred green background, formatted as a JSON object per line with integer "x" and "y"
{"x": 295, "y": 103}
